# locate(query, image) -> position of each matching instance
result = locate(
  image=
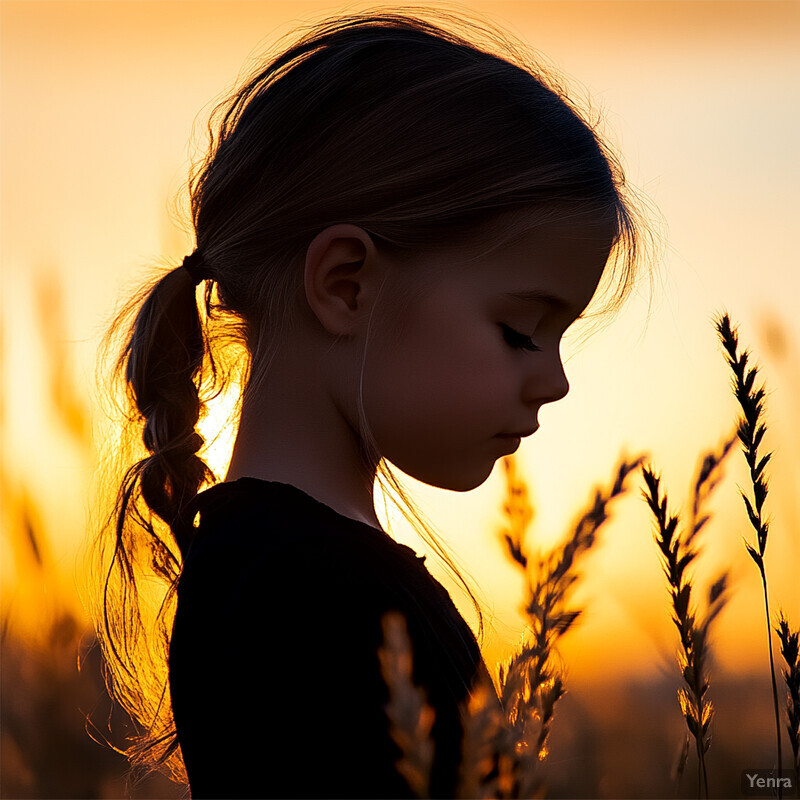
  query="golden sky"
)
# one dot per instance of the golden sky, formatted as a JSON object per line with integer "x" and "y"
{"x": 100, "y": 101}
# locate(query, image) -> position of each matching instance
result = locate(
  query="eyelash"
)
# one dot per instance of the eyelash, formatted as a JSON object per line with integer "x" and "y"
{"x": 518, "y": 340}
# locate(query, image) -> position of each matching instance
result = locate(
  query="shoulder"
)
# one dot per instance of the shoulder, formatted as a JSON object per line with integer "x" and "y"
{"x": 256, "y": 517}
{"x": 268, "y": 556}
{"x": 273, "y": 540}
{"x": 267, "y": 518}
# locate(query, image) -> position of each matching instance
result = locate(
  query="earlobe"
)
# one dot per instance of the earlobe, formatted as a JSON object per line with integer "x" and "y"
{"x": 337, "y": 269}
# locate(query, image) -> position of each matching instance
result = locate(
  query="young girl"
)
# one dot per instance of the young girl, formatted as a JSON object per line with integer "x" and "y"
{"x": 401, "y": 225}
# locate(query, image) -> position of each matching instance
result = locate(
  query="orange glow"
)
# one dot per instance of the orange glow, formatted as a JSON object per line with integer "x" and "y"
{"x": 99, "y": 102}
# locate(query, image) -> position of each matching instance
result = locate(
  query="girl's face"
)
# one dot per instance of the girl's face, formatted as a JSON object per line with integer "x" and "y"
{"x": 476, "y": 354}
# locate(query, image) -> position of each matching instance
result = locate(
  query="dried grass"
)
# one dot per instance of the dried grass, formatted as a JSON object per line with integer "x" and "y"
{"x": 504, "y": 743}
{"x": 678, "y": 552}
{"x": 790, "y": 650}
{"x": 531, "y": 681}
{"x": 410, "y": 716}
{"x": 52, "y": 686}
{"x": 751, "y": 430}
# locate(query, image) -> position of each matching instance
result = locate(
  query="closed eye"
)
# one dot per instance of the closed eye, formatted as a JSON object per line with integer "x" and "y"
{"x": 518, "y": 340}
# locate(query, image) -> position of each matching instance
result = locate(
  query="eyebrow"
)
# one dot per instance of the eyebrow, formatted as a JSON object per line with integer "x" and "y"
{"x": 537, "y": 296}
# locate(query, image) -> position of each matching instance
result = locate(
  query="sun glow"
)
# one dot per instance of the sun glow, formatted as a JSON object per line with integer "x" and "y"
{"x": 98, "y": 104}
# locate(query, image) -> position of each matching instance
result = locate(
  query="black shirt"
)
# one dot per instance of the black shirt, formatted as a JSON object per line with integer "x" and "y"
{"x": 274, "y": 673}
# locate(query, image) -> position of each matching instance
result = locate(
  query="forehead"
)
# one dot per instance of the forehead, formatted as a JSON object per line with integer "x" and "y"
{"x": 558, "y": 263}
{"x": 559, "y": 220}
{"x": 518, "y": 260}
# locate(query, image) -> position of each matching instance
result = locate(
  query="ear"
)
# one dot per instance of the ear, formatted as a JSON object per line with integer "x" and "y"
{"x": 339, "y": 270}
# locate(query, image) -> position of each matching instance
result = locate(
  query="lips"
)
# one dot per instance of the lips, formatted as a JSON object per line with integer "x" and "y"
{"x": 519, "y": 434}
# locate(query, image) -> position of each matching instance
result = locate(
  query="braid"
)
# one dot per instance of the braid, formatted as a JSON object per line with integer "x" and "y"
{"x": 162, "y": 363}
{"x": 162, "y": 359}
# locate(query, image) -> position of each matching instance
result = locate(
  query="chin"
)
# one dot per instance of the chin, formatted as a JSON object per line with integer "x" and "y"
{"x": 463, "y": 482}
{"x": 456, "y": 475}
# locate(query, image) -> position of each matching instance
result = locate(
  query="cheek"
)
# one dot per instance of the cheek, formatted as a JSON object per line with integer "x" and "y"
{"x": 447, "y": 377}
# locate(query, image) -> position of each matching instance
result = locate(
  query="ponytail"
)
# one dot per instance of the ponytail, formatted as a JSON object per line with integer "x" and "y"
{"x": 163, "y": 359}
{"x": 161, "y": 369}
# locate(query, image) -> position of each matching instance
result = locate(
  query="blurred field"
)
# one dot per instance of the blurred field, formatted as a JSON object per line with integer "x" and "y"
{"x": 624, "y": 740}
{"x": 46, "y": 750}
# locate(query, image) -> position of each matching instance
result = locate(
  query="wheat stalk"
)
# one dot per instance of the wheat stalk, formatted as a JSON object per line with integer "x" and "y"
{"x": 483, "y": 773}
{"x": 410, "y": 716}
{"x": 531, "y": 682}
{"x": 677, "y": 554}
{"x": 751, "y": 430}
{"x": 790, "y": 650}
{"x": 708, "y": 476}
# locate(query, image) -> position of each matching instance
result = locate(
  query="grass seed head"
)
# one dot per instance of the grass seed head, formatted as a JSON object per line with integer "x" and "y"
{"x": 410, "y": 717}
{"x": 790, "y": 650}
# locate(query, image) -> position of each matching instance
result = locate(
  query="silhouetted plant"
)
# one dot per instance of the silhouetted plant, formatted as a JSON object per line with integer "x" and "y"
{"x": 790, "y": 650}
{"x": 751, "y": 431}
{"x": 678, "y": 552}
{"x": 530, "y": 682}
{"x": 709, "y": 475}
{"x": 504, "y": 742}
{"x": 410, "y": 716}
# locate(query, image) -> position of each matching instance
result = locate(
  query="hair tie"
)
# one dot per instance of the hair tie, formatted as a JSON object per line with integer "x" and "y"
{"x": 192, "y": 264}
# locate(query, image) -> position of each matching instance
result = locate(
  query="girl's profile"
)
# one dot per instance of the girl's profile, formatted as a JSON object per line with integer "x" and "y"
{"x": 397, "y": 220}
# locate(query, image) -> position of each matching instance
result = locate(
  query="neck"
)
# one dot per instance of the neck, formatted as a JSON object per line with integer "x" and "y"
{"x": 294, "y": 433}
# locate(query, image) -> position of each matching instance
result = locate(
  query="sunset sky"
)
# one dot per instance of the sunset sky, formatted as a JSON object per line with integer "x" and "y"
{"x": 101, "y": 102}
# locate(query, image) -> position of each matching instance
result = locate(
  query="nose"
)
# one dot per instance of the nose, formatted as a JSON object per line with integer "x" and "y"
{"x": 547, "y": 381}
